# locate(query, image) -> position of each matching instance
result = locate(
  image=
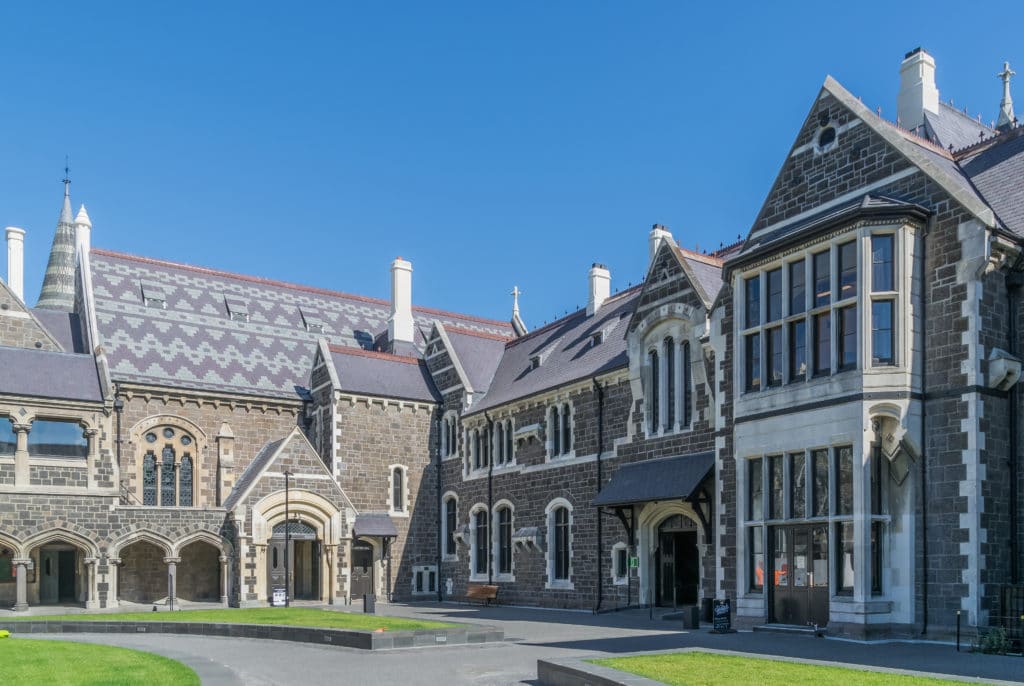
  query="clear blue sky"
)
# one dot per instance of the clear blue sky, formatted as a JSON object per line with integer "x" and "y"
{"x": 490, "y": 143}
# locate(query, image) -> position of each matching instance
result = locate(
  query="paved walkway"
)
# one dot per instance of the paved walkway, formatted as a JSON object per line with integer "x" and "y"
{"x": 530, "y": 634}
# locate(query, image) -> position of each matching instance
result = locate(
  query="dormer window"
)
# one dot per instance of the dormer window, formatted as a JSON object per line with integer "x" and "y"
{"x": 597, "y": 339}
{"x": 238, "y": 310}
{"x": 535, "y": 362}
{"x": 153, "y": 295}
{"x": 312, "y": 320}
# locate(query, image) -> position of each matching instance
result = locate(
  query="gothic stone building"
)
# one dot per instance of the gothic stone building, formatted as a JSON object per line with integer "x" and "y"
{"x": 820, "y": 422}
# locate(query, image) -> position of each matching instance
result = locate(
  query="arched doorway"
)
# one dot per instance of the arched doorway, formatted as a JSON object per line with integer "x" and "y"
{"x": 198, "y": 573}
{"x": 677, "y": 562}
{"x": 63, "y": 563}
{"x": 294, "y": 556}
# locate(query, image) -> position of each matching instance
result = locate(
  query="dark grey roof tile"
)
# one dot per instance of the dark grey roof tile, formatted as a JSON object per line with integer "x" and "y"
{"x": 383, "y": 375}
{"x": 42, "y": 374}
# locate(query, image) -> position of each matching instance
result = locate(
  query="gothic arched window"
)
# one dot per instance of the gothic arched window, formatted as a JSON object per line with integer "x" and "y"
{"x": 167, "y": 485}
{"x": 185, "y": 481}
{"x": 167, "y": 467}
{"x": 149, "y": 479}
{"x": 654, "y": 391}
{"x": 687, "y": 384}
{"x": 670, "y": 384}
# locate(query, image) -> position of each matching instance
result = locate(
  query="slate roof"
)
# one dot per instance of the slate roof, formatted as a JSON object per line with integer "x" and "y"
{"x": 43, "y": 374}
{"x": 64, "y": 327}
{"x": 374, "y": 524}
{"x": 479, "y": 355}
{"x": 383, "y": 375}
{"x": 252, "y": 472}
{"x": 998, "y": 174}
{"x": 194, "y": 343}
{"x": 706, "y": 270}
{"x": 951, "y": 127}
{"x": 667, "y": 478}
{"x": 567, "y": 352}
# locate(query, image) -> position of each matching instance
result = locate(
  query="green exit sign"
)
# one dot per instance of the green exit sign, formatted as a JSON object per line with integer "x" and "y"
{"x": 634, "y": 562}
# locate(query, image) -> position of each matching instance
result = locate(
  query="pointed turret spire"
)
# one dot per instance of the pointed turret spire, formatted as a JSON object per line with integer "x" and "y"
{"x": 1006, "y": 117}
{"x": 58, "y": 291}
{"x": 518, "y": 326}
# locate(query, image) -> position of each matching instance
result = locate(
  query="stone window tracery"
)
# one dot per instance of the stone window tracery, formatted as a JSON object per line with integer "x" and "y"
{"x": 167, "y": 467}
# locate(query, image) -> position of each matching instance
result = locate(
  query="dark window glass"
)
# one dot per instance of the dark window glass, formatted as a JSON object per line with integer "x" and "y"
{"x": 505, "y": 541}
{"x": 433, "y": 581}
{"x": 797, "y": 486}
{"x": 450, "y": 522}
{"x": 149, "y": 479}
{"x": 556, "y": 432}
{"x": 876, "y": 557}
{"x": 397, "y": 493}
{"x": 797, "y": 350}
{"x": 881, "y": 333}
{"x": 877, "y": 482}
{"x": 477, "y": 457}
{"x": 848, "y": 337}
{"x": 822, "y": 280}
{"x": 755, "y": 486}
{"x": 167, "y": 477}
{"x": 670, "y": 383}
{"x": 755, "y": 544}
{"x": 882, "y": 276}
{"x": 773, "y": 339}
{"x": 847, "y": 270}
{"x": 753, "y": 301}
{"x": 655, "y": 387}
{"x": 6, "y": 565}
{"x": 620, "y": 563}
{"x": 185, "y": 482}
{"x": 822, "y": 343}
{"x": 482, "y": 553}
{"x": 566, "y": 429}
{"x": 819, "y": 557}
{"x": 499, "y": 453}
{"x": 687, "y": 383}
{"x": 561, "y": 543}
{"x": 820, "y": 466}
{"x": 780, "y": 564}
{"x": 508, "y": 442}
{"x": 775, "y": 483}
{"x": 844, "y": 480}
{"x": 57, "y": 439}
{"x": 8, "y": 439}
{"x": 485, "y": 444}
{"x": 774, "y": 295}
{"x": 753, "y": 368}
{"x": 419, "y": 582}
{"x": 844, "y": 535}
{"x": 797, "y": 287}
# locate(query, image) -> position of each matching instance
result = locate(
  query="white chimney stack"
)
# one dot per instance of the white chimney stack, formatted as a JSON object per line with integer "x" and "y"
{"x": 83, "y": 231}
{"x": 600, "y": 287}
{"x": 16, "y": 261}
{"x": 918, "y": 93}
{"x": 400, "y": 324}
{"x": 658, "y": 234}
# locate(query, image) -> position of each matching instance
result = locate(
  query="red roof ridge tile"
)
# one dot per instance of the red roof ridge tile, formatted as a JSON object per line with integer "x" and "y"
{"x": 360, "y": 352}
{"x": 478, "y": 334}
{"x": 700, "y": 257}
{"x": 287, "y": 284}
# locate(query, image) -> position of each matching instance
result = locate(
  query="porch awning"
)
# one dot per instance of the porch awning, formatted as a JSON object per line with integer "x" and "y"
{"x": 668, "y": 478}
{"x": 374, "y": 524}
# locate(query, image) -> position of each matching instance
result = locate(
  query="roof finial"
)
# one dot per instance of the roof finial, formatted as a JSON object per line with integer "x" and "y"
{"x": 1006, "y": 104}
{"x": 67, "y": 177}
{"x": 515, "y": 300}
{"x": 518, "y": 325}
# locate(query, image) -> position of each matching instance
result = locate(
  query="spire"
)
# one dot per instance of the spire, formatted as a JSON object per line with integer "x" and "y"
{"x": 58, "y": 291}
{"x": 517, "y": 323}
{"x": 1006, "y": 118}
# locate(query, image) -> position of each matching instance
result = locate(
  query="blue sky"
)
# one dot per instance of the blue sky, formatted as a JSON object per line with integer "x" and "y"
{"x": 491, "y": 144}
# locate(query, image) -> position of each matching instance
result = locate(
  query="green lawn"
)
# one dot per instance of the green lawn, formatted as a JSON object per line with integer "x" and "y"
{"x": 24, "y": 661}
{"x": 291, "y": 616}
{"x": 708, "y": 669}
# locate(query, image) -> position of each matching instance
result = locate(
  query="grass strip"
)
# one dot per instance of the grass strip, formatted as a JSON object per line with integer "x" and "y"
{"x": 31, "y": 661}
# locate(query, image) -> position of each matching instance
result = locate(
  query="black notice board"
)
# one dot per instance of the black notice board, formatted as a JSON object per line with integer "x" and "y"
{"x": 722, "y": 618}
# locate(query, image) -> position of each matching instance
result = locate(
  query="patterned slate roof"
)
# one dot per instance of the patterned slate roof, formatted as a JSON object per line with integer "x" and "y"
{"x": 566, "y": 350}
{"x": 478, "y": 353}
{"x": 951, "y": 127}
{"x": 383, "y": 375}
{"x": 43, "y": 374}
{"x": 193, "y": 342}
{"x": 998, "y": 174}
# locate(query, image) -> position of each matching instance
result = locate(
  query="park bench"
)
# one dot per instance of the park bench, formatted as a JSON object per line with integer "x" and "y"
{"x": 483, "y": 592}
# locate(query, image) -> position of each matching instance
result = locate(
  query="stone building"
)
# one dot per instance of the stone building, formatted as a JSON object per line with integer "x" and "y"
{"x": 820, "y": 422}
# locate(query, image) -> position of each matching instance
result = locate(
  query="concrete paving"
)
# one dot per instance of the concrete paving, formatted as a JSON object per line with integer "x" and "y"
{"x": 531, "y": 634}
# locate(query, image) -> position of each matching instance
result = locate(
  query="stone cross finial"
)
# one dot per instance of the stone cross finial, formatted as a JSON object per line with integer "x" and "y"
{"x": 1006, "y": 117}
{"x": 515, "y": 299}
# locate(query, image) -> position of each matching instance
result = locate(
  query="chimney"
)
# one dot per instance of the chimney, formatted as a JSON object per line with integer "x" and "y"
{"x": 83, "y": 231}
{"x": 658, "y": 234}
{"x": 400, "y": 324}
{"x": 16, "y": 261}
{"x": 918, "y": 93}
{"x": 600, "y": 287}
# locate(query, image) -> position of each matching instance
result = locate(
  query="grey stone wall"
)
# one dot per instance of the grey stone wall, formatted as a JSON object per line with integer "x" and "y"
{"x": 58, "y": 475}
{"x": 19, "y": 331}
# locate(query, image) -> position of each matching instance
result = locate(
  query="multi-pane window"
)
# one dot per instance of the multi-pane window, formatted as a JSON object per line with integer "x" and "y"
{"x": 847, "y": 270}
{"x": 847, "y": 337}
{"x": 669, "y": 390}
{"x": 883, "y": 300}
{"x": 755, "y": 484}
{"x": 167, "y": 480}
{"x": 505, "y": 540}
{"x": 654, "y": 418}
{"x": 149, "y": 479}
{"x": 822, "y": 343}
{"x": 774, "y": 304}
{"x": 797, "y": 287}
{"x": 481, "y": 553}
{"x": 797, "y": 486}
{"x": 844, "y": 481}
{"x": 185, "y": 478}
{"x": 773, "y": 356}
{"x": 449, "y": 436}
{"x": 561, "y": 544}
{"x": 503, "y": 442}
{"x": 559, "y": 430}
{"x": 776, "y": 504}
{"x": 687, "y": 383}
{"x": 753, "y": 301}
{"x": 451, "y": 518}
{"x": 670, "y": 383}
{"x": 797, "y": 350}
{"x": 753, "y": 366}
{"x": 755, "y": 544}
{"x": 822, "y": 279}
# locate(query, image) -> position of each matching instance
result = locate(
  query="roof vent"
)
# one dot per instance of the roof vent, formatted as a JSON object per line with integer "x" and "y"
{"x": 312, "y": 320}
{"x": 153, "y": 295}
{"x": 238, "y": 310}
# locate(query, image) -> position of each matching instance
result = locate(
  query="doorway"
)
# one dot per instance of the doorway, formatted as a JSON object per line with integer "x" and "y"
{"x": 362, "y": 568}
{"x": 799, "y": 575}
{"x": 677, "y": 562}
{"x": 57, "y": 579}
{"x": 293, "y": 561}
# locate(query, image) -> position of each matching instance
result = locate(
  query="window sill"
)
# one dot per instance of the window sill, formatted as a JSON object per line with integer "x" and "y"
{"x": 560, "y": 585}
{"x": 504, "y": 578}
{"x": 404, "y": 515}
{"x": 478, "y": 578}
{"x": 450, "y": 558}
{"x": 620, "y": 581}
{"x": 562, "y": 456}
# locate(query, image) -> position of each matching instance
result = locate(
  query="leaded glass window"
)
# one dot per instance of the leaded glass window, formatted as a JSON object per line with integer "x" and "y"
{"x": 505, "y": 540}
{"x": 561, "y": 547}
{"x": 149, "y": 479}
{"x": 167, "y": 478}
{"x": 185, "y": 482}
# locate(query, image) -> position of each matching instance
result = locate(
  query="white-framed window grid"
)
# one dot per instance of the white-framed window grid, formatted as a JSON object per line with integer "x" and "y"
{"x": 479, "y": 549}
{"x": 558, "y": 558}
{"x": 449, "y": 524}
{"x": 669, "y": 393}
{"x": 398, "y": 490}
{"x": 620, "y": 564}
{"x": 559, "y": 430}
{"x": 503, "y": 551}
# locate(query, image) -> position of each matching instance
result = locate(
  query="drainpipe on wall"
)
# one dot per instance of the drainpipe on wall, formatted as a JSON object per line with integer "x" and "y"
{"x": 600, "y": 481}
{"x": 924, "y": 417}
{"x": 1014, "y": 281}
{"x": 119, "y": 409}
{"x": 490, "y": 498}
{"x": 440, "y": 504}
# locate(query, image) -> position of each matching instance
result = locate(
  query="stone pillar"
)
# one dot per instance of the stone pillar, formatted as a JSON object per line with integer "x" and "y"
{"x": 114, "y": 590}
{"x": 224, "y": 580}
{"x": 21, "y": 470}
{"x": 332, "y": 583}
{"x": 92, "y": 596}
{"x": 172, "y": 579}
{"x": 21, "y": 566}
{"x": 90, "y": 437}
{"x": 225, "y": 462}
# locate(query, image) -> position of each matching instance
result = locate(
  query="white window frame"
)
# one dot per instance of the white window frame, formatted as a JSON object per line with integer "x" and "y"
{"x": 654, "y": 342}
{"x": 550, "y": 582}
{"x": 474, "y": 576}
{"x": 549, "y": 443}
{"x": 509, "y": 576}
{"x": 445, "y": 556}
{"x": 425, "y": 570}
{"x": 391, "y": 490}
{"x": 617, "y": 579}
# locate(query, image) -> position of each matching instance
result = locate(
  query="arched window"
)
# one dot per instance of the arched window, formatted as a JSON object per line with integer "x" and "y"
{"x": 556, "y": 433}
{"x": 185, "y": 481}
{"x": 477, "y": 458}
{"x": 654, "y": 390}
{"x": 453, "y": 436}
{"x": 398, "y": 487}
{"x": 566, "y": 429}
{"x": 451, "y": 522}
{"x": 481, "y": 551}
{"x": 670, "y": 383}
{"x": 504, "y": 537}
{"x": 499, "y": 456}
{"x": 167, "y": 485}
{"x": 149, "y": 479}
{"x": 560, "y": 544}
{"x": 508, "y": 441}
{"x": 687, "y": 385}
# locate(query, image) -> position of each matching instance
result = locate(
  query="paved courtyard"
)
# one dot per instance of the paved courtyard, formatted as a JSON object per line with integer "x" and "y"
{"x": 530, "y": 635}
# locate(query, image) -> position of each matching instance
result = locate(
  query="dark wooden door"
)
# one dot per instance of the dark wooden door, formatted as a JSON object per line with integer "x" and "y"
{"x": 799, "y": 575}
{"x": 66, "y": 576}
{"x": 362, "y": 569}
{"x": 276, "y": 552}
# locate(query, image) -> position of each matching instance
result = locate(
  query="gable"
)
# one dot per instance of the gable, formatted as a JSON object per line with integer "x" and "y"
{"x": 19, "y": 328}
{"x": 667, "y": 280}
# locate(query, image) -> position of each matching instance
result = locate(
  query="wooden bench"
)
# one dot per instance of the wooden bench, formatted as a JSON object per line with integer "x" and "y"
{"x": 484, "y": 592}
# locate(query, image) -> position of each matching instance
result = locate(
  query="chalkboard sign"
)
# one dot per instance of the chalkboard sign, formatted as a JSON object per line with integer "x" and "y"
{"x": 278, "y": 596}
{"x": 723, "y": 616}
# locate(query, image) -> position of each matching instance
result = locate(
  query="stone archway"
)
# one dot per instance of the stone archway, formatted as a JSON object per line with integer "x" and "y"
{"x": 60, "y": 569}
{"x": 649, "y": 534}
{"x": 199, "y": 574}
{"x": 142, "y": 577}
